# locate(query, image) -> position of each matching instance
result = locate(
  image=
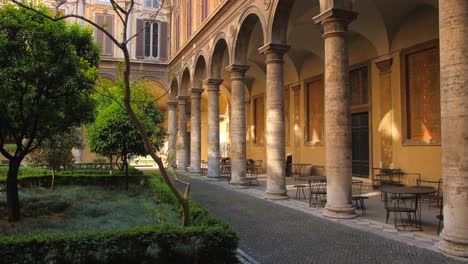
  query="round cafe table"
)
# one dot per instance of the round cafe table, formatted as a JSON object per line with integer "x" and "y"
{"x": 405, "y": 200}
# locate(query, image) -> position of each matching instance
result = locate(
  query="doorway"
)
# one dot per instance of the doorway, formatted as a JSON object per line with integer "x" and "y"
{"x": 360, "y": 144}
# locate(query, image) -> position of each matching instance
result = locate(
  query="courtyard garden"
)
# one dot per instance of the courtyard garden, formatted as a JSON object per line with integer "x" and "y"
{"x": 90, "y": 217}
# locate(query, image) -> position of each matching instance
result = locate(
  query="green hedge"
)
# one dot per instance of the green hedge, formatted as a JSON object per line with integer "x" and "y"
{"x": 207, "y": 240}
{"x": 30, "y": 176}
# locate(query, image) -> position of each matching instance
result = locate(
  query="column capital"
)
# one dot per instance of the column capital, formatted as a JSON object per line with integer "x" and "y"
{"x": 182, "y": 99}
{"x": 172, "y": 104}
{"x": 274, "y": 48}
{"x": 237, "y": 68}
{"x": 213, "y": 84}
{"x": 384, "y": 65}
{"x": 196, "y": 92}
{"x": 335, "y": 21}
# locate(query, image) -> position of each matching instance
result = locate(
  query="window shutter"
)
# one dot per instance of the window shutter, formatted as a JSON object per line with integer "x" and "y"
{"x": 110, "y": 28}
{"x": 98, "y": 33}
{"x": 140, "y": 38}
{"x": 163, "y": 40}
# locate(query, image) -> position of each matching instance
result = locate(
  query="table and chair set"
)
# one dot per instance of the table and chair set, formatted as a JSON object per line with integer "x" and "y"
{"x": 253, "y": 169}
{"x": 405, "y": 200}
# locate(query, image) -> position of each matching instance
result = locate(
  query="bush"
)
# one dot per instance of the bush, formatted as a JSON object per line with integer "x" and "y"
{"x": 207, "y": 240}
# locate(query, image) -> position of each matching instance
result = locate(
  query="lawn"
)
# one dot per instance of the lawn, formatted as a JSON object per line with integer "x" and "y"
{"x": 83, "y": 208}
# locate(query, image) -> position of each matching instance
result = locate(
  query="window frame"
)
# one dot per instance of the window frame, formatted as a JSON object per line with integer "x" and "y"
{"x": 362, "y": 107}
{"x": 151, "y": 57}
{"x": 404, "y": 91}
{"x": 320, "y": 78}
{"x": 152, "y": 6}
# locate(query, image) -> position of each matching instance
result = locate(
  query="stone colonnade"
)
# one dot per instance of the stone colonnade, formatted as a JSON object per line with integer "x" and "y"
{"x": 454, "y": 104}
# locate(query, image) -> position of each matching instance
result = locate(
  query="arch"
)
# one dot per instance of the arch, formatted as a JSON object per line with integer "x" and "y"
{"x": 218, "y": 56}
{"x": 200, "y": 72}
{"x": 157, "y": 91}
{"x": 278, "y": 22}
{"x": 185, "y": 83}
{"x": 247, "y": 22}
{"x": 162, "y": 82}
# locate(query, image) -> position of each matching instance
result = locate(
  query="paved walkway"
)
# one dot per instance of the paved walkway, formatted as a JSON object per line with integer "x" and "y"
{"x": 273, "y": 233}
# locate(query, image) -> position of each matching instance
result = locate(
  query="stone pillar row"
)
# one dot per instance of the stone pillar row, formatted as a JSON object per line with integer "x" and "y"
{"x": 275, "y": 147}
{"x": 172, "y": 131}
{"x": 195, "y": 131}
{"x": 213, "y": 126}
{"x": 337, "y": 113}
{"x": 453, "y": 32}
{"x": 182, "y": 150}
{"x": 238, "y": 124}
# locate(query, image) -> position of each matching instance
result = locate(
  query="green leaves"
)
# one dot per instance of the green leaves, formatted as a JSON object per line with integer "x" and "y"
{"x": 47, "y": 74}
{"x": 113, "y": 132}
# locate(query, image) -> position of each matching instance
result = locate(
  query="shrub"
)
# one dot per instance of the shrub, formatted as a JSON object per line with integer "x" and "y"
{"x": 207, "y": 240}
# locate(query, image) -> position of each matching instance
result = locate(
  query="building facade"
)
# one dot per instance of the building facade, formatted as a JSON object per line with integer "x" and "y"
{"x": 350, "y": 85}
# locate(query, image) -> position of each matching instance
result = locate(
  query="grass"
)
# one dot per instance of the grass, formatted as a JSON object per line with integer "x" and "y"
{"x": 83, "y": 208}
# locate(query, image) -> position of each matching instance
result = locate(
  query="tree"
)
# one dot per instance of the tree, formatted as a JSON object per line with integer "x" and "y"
{"x": 47, "y": 75}
{"x": 123, "y": 11}
{"x": 56, "y": 151}
{"x": 114, "y": 134}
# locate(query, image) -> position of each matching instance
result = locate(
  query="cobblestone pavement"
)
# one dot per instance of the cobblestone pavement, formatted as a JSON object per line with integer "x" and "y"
{"x": 272, "y": 233}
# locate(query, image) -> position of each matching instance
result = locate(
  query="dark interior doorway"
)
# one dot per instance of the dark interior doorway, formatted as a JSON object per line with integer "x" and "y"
{"x": 360, "y": 144}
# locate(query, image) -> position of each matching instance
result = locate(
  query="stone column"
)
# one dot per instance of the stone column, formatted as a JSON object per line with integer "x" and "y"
{"x": 213, "y": 126}
{"x": 386, "y": 116}
{"x": 275, "y": 141}
{"x": 238, "y": 142}
{"x": 337, "y": 114}
{"x": 453, "y": 29}
{"x": 172, "y": 131}
{"x": 195, "y": 131}
{"x": 182, "y": 144}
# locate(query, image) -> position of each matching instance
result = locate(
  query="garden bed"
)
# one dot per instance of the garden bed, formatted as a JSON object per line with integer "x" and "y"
{"x": 207, "y": 240}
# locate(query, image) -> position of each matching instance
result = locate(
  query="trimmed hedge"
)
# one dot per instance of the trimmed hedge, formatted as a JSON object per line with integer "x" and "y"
{"x": 207, "y": 240}
{"x": 36, "y": 177}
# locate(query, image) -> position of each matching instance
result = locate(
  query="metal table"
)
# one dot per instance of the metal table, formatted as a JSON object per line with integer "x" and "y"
{"x": 405, "y": 200}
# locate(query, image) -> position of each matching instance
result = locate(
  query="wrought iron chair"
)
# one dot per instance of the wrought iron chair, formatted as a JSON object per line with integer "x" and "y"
{"x": 251, "y": 171}
{"x": 318, "y": 192}
{"x": 358, "y": 198}
{"x": 437, "y": 197}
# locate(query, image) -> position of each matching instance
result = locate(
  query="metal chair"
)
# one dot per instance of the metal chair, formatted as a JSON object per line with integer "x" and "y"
{"x": 358, "y": 198}
{"x": 318, "y": 192}
{"x": 401, "y": 205}
{"x": 437, "y": 197}
{"x": 251, "y": 171}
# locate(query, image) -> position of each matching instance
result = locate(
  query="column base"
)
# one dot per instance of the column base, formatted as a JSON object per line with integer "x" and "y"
{"x": 276, "y": 196}
{"x": 195, "y": 172}
{"x": 346, "y": 212}
{"x": 453, "y": 248}
{"x": 239, "y": 185}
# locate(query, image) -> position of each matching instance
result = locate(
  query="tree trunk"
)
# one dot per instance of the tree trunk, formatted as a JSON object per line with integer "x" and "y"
{"x": 53, "y": 181}
{"x": 13, "y": 206}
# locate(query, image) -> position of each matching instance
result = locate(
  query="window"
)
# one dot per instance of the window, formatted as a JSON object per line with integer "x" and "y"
{"x": 189, "y": 18}
{"x": 287, "y": 132}
{"x": 259, "y": 119}
{"x": 314, "y": 111}
{"x": 151, "y": 3}
{"x": 151, "y": 40}
{"x": 359, "y": 85}
{"x": 204, "y": 9}
{"x": 422, "y": 95}
{"x": 103, "y": 40}
{"x": 177, "y": 33}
